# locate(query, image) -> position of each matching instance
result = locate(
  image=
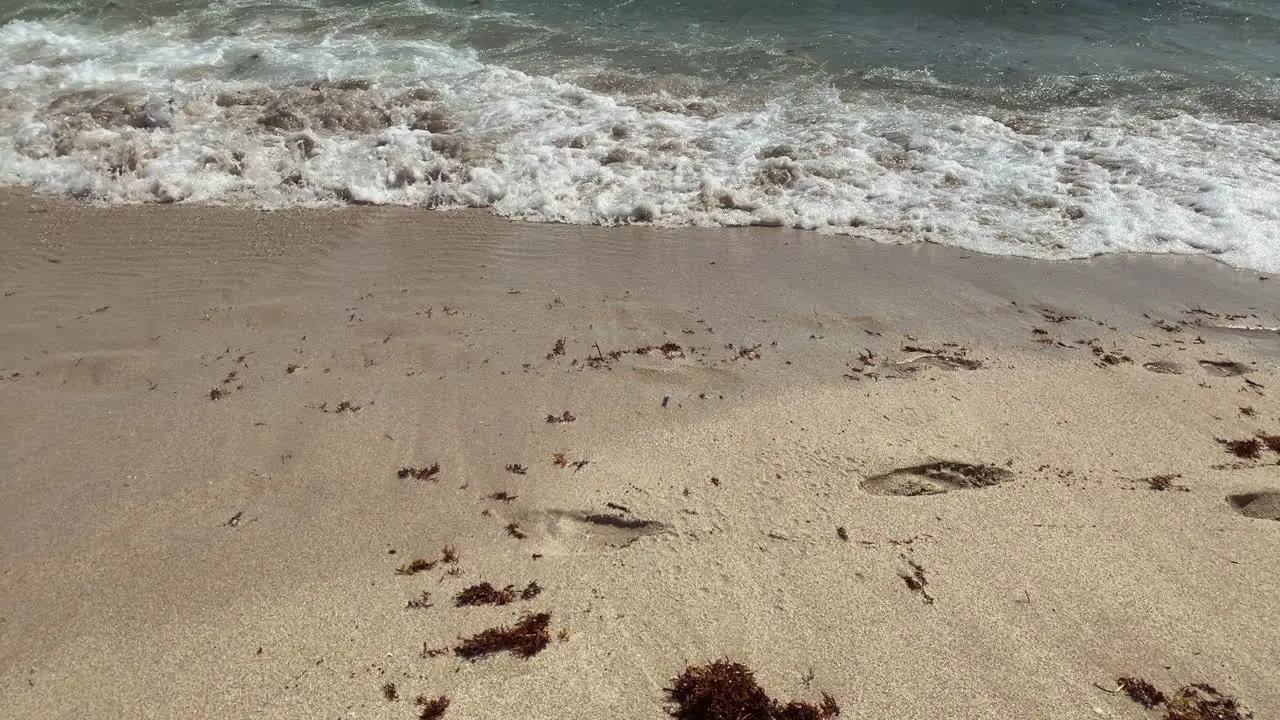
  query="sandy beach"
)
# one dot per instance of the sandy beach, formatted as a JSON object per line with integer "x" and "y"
{"x": 925, "y": 482}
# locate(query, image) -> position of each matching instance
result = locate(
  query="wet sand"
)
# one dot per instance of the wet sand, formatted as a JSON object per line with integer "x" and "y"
{"x": 922, "y": 481}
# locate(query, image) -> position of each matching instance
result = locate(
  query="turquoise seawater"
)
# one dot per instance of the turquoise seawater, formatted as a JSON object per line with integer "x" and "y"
{"x": 1049, "y": 128}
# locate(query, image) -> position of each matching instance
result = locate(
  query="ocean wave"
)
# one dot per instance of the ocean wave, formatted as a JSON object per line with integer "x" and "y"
{"x": 283, "y": 121}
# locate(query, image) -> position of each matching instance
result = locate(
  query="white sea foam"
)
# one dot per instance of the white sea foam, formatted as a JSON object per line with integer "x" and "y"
{"x": 274, "y": 121}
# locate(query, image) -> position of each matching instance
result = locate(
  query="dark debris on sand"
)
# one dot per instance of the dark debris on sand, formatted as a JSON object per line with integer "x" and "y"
{"x": 1199, "y": 701}
{"x": 416, "y": 566}
{"x": 1196, "y": 701}
{"x": 422, "y": 602}
{"x": 448, "y": 556}
{"x": 726, "y": 690}
{"x": 556, "y": 351}
{"x": 1160, "y": 483}
{"x": 486, "y": 594}
{"x": 1271, "y": 441}
{"x": 432, "y": 709}
{"x": 431, "y": 473}
{"x": 1142, "y": 692}
{"x": 526, "y": 638}
{"x": 915, "y": 579}
{"x": 1249, "y": 449}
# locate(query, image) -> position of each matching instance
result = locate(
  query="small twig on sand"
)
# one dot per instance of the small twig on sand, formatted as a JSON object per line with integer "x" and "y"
{"x": 599, "y": 352}
{"x": 1105, "y": 690}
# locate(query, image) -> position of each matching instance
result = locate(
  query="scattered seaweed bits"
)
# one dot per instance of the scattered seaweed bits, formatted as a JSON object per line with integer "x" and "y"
{"x": 1141, "y": 691}
{"x": 564, "y": 417}
{"x": 517, "y": 469}
{"x": 422, "y": 602}
{"x": 560, "y": 459}
{"x": 423, "y": 473}
{"x": 216, "y": 394}
{"x": 556, "y": 351}
{"x": 485, "y": 594}
{"x": 389, "y": 692}
{"x": 416, "y": 566}
{"x": 526, "y": 638}
{"x": 1249, "y": 449}
{"x": 915, "y": 579}
{"x": 503, "y": 496}
{"x": 726, "y": 690}
{"x": 531, "y": 591}
{"x": 669, "y": 350}
{"x": 432, "y": 709}
{"x": 449, "y": 555}
{"x": 1164, "y": 482}
{"x": 513, "y": 529}
{"x": 842, "y": 534}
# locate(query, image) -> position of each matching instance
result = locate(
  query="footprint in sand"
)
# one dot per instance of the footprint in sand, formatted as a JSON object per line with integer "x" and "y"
{"x": 1264, "y": 505}
{"x": 1225, "y": 368}
{"x": 935, "y": 478}
{"x": 564, "y": 530}
{"x": 1163, "y": 367}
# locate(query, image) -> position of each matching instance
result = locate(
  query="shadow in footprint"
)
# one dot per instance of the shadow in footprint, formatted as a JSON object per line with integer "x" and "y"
{"x": 935, "y": 478}
{"x": 1263, "y": 505}
{"x": 612, "y": 529}
{"x": 1225, "y": 368}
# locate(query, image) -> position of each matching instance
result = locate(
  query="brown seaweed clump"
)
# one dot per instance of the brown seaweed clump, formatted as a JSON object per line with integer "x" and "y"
{"x": 526, "y": 638}
{"x": 1142, "y": 692}
{"x": 727, "y": 690}
{"x": 431, "y": 473}
{"x": 1271, "y": 441}
{"x": 1202, "y": 702}
{"x": 432, "y": 709}
{"x": 1196, "y": 701}
{"x": 1249, "y": 449}
{"x": 486, "y": 594}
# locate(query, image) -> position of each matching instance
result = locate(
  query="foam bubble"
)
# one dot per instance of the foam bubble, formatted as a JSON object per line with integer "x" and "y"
{"x": 274, "y": 121}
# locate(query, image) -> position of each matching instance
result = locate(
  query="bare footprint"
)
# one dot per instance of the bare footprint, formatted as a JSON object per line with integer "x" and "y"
{"x": 943, "y": 362}
{"x": 1225, "y": 368}
{"x": 935, "y": 478}
{"x": 1163, "y": 367}
{"x": 1263, "y": 505}
{"x": 563, "y": 530}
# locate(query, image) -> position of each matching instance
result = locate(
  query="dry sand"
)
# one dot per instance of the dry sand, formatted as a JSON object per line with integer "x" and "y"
{"x": 167, "y": 555}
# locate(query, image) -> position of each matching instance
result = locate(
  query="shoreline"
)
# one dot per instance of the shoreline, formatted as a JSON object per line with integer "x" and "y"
{"x": 171, "y": 550}
{"x": 38, "y": 202}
